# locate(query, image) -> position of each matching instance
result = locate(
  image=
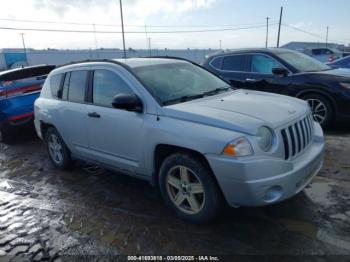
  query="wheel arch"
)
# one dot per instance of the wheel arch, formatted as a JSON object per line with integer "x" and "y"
{"x": 162, "y": 151}
{"x": 322, "y": 93}
{"x": 44, "y": 127}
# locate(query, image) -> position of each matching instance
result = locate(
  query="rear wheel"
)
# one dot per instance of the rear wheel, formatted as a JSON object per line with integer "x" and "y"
{"x": 188, "y": 187}
{"x": 58, "y": 151}
{"x": 322, "y": 110}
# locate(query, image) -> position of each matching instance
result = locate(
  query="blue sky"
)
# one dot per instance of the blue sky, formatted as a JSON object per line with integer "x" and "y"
{"x": 309, "y": 15}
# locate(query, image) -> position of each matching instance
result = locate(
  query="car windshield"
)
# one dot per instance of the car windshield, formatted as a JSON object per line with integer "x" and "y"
{"x": 302, "y": 62}
{"x": 179, "y": 82}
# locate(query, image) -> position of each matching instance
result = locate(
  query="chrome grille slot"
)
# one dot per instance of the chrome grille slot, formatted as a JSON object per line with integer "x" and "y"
{"x": 297, "y": 137}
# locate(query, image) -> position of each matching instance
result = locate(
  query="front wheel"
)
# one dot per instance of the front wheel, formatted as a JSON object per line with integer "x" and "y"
{"x": 321, "y": 108}
{"x": 188, "y": 187}
{"x": 58, "y": 151}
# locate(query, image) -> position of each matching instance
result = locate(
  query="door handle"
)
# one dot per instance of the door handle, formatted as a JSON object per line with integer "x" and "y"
{"x": 94, "y": 114}
{"x": 251, "y": 80}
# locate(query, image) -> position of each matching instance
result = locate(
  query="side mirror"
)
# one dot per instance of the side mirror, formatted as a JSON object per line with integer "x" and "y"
{"x": 280, "y": 71}
{"x": 128, "y": 102}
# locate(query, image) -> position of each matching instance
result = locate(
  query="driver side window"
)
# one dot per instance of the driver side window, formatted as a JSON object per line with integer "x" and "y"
{"x": 106, "y": 86}
{"x": 263, "y": 64}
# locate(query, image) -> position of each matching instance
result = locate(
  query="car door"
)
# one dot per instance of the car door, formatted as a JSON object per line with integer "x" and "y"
{"x": 259, "y": 75}
{"x": 71, "y": 109}
{"x": 115, "y": 135}
{"x": 233, "y": 68}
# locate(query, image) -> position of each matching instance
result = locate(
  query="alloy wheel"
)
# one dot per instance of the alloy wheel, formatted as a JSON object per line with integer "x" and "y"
{"x": 55, "y": 149}
{"x": 185, "y": 190}
{"x": 319, "y": 110}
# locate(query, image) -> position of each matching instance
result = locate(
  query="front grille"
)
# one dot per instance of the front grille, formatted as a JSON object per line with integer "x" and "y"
{"x": 297, "y": 137}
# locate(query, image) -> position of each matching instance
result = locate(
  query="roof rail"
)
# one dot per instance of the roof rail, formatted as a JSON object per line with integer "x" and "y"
{"x": 172, "y": 57}
{"x": 88, "y": 61}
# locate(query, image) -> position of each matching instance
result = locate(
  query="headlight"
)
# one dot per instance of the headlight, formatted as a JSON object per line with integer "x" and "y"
{"x": 345, "y": 85}
{"x": 238, "y": 147}
{"x": 264, "y": 137}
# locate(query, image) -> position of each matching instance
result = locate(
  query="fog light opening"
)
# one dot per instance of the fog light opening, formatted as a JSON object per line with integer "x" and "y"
{"x": 273, "y": 194}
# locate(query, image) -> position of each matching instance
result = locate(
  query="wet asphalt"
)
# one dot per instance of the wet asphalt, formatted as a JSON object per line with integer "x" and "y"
{"x": 52, "y": 215}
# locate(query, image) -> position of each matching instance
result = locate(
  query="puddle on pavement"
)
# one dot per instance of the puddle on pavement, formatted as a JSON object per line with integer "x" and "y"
{"x": 14, "y": 164}
{"x": 6, "y": 185}
{"x": 4, "y": 173}
{"x": 312, "y": 231}
{"x": 318, "y": 192}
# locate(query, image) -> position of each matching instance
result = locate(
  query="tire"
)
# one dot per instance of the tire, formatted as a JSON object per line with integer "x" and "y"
{"x": 4, "y": 135}
{"x": 58, "y": 151}
{"x": 325, "y": 109}
{"x": 193, "y": 206}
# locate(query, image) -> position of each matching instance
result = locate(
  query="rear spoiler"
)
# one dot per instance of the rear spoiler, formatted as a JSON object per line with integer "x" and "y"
{"x": 26, "y": 72}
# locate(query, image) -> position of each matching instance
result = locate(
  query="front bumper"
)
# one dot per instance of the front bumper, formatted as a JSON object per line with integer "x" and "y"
{"x": 258, "y": 181}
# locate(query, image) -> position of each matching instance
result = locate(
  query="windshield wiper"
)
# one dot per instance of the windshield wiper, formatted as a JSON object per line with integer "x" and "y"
{"x": 182, "y": 99}
{"x": 192, "y": 97}
{"x": 216, "y": 91}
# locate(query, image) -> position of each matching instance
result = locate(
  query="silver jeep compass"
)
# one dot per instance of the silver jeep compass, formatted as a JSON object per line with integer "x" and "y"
{"x": 183, "y": 129}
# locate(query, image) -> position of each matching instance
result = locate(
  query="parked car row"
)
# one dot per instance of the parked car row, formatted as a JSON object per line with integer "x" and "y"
{"x": 286, "y": 72}
{"x": 205, "y": 135}
{"x": 341, "y": 63}
{"x": 324, "y": 55}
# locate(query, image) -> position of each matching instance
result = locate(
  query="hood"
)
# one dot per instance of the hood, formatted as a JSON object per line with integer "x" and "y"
{"x": 338, "y": 74}
{"x": 240, "y": 110}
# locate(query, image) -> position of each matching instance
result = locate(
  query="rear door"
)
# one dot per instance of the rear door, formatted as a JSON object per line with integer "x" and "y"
{"x": 73, "y": 111}
{"x": 233, "y": 69}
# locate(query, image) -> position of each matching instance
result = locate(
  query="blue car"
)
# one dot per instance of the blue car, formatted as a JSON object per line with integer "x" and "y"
{"x": 341, "y": 63}
{"x": 19, "y": 88}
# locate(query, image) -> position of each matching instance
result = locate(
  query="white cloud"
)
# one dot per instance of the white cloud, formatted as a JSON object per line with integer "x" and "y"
{"x": 137, "y": 8}
{"x": 147, "y": 8}
{"x": 96, "y": 11}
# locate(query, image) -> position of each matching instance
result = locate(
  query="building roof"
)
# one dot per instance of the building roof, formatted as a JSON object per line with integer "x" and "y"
{"x": 308, "y": 45}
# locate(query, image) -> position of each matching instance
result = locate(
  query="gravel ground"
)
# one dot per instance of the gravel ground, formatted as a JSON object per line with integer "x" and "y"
{"x": 52, "y": 215}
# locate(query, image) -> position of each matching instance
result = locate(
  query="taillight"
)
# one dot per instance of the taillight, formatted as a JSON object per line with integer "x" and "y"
{"x": 331, "y": 58}
{"x": 2, "y": 94}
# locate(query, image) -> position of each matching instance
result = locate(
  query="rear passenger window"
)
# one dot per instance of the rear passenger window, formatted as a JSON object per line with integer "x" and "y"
{"x": 77, "y": 86}
{"x": 55, "y": 84}
{"x": 106, "y": 85}
{"x": 216, "y": 62}
{"x": 234, "y": 63}
{"x": 65, "y": 87}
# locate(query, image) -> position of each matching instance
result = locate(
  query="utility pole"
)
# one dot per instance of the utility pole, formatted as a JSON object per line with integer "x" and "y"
{"x": 121, "y": 16}
{"x": 220, "y": 45}
{"x": 96, "y": 43}
{"x": 267, "y": 31}
{"x": 24, "y": 48}
{"x": 279, "y": 28}
{"x": 327, "y": 36}
{"x": 149, "y": 46}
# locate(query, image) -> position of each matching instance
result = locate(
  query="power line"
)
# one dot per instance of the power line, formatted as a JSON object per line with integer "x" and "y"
{"x": 129, "y": 32}
{"x": 345, "y": 41}
{"x": 303, "y": 31}
{"x": 115, "y": 25}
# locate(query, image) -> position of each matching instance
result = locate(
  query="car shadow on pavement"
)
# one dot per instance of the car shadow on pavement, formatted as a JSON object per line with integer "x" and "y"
{"x": 22, "y": 135}
{"x": 339, "y": 128}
